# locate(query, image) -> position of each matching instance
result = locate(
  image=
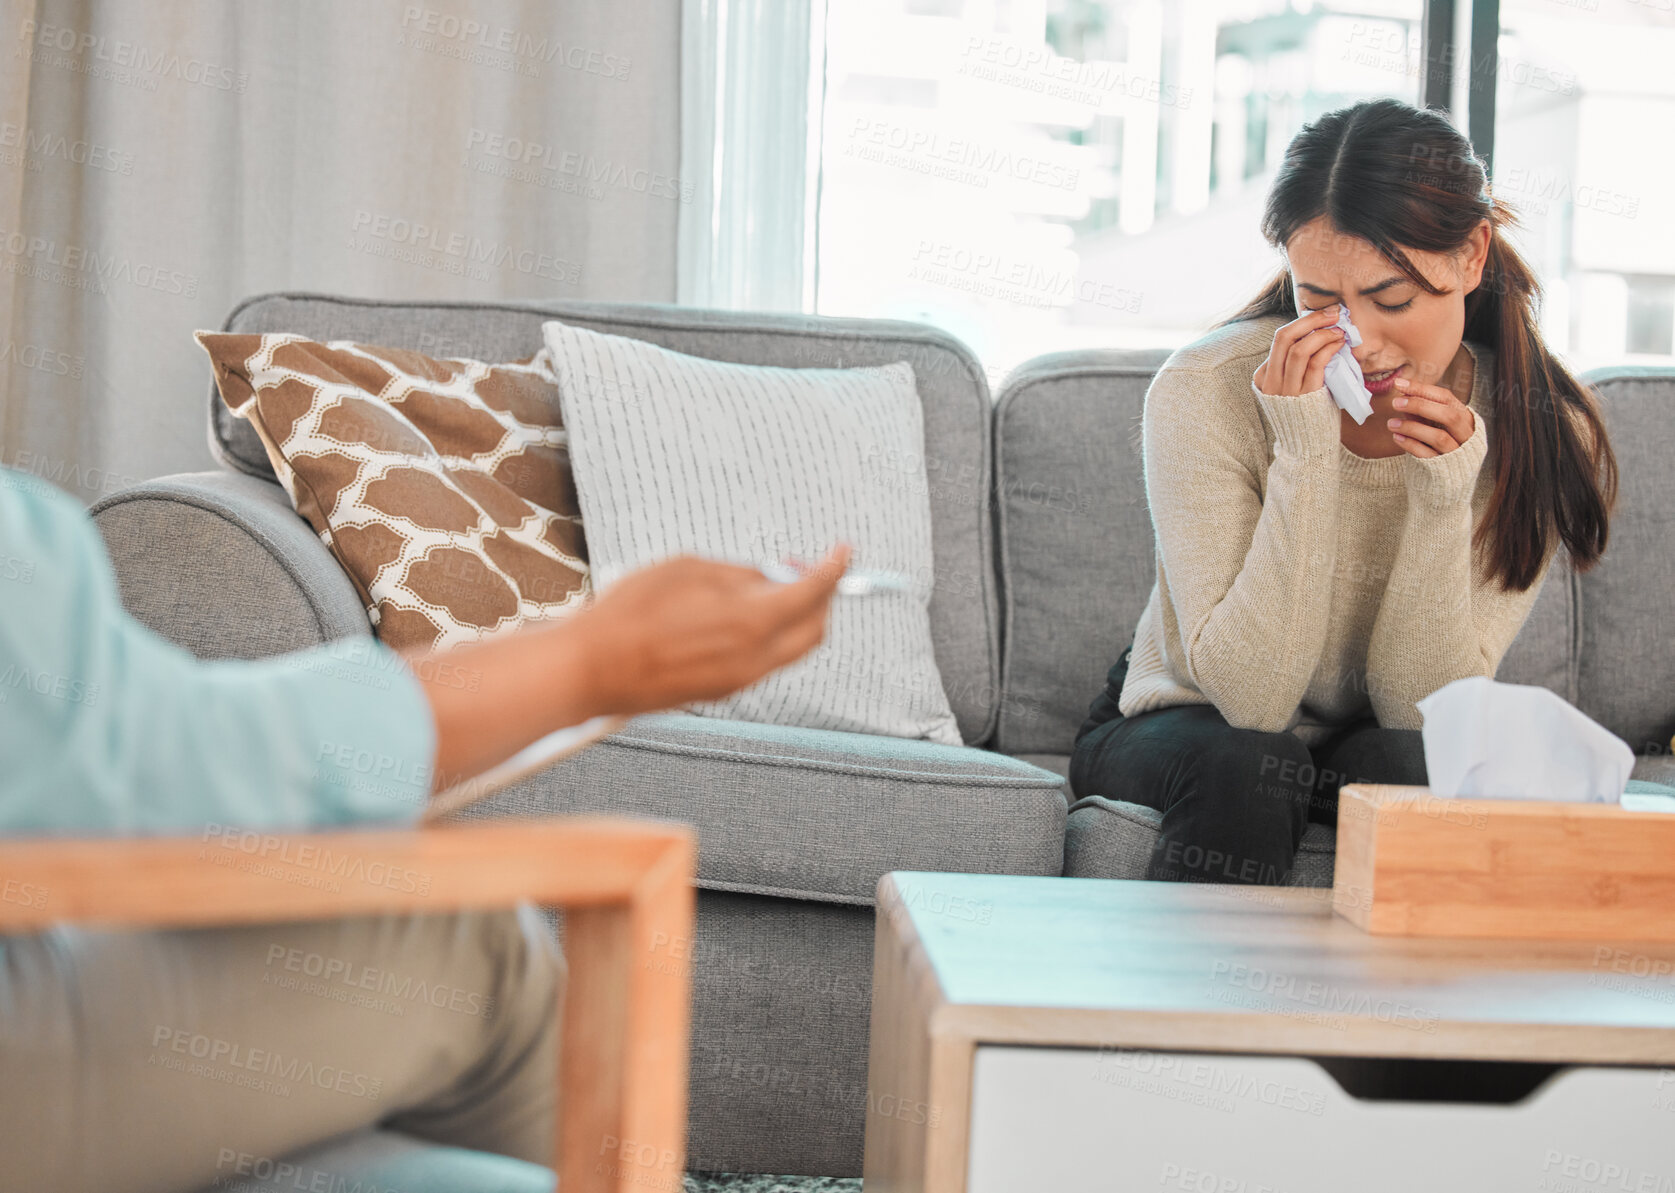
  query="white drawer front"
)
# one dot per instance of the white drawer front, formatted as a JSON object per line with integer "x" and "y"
{"x": 1067, "y": 1119}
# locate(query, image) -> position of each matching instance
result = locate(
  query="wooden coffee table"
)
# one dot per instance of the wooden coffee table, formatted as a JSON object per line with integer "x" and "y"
{"x": 1069, "y": 1034}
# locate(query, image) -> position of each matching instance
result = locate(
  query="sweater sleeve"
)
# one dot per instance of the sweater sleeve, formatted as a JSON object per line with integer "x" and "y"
{"x": 1247, "y": 571}
{"x": 1441, "y": 618}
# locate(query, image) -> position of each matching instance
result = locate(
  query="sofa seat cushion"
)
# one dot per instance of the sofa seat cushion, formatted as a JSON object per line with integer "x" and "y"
{"x": 810, "y": 813}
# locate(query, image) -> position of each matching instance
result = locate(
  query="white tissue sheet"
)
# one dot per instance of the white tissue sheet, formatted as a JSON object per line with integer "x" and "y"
{"x": 1343, "y": 373}
{"x": 1490, "y": 740}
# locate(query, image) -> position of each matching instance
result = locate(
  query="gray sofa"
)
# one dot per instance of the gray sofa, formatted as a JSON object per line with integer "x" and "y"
{"x": 1044, "y": 560}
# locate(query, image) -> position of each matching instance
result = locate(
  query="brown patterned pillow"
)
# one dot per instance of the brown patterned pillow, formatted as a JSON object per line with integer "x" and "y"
{"x": 443, "y": 487}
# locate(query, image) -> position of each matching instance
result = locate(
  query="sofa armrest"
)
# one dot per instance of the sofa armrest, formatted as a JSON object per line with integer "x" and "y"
{"x": 221, "y": 564}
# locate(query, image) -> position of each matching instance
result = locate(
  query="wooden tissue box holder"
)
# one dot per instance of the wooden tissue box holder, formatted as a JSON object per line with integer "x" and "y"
{"x": 1412, "y": 864}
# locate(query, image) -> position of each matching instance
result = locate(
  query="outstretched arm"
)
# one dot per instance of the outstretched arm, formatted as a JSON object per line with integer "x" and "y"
{"x": 680, "y": 631}
{"x": 107, "y": 728}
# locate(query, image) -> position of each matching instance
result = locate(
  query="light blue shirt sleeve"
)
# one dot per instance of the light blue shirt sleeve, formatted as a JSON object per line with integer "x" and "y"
{"x": 108, "y": 729}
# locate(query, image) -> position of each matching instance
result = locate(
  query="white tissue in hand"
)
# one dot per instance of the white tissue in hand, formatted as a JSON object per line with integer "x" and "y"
{"x": 1489, "y": 740}
{"x": 1343, "y": 373}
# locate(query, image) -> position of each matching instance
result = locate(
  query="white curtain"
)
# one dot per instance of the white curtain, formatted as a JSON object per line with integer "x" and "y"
{"x": 159, "y": 162}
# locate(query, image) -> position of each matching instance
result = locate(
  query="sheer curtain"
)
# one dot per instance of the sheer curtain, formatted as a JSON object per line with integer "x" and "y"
{"x": 160, "y": 162}
{"x": 752, "y": 90}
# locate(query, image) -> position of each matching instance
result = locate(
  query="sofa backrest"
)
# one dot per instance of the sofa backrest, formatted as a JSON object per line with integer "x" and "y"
{"x": 1626, "y": 641}
{"x": 965, "y": 605}
{"x": 1077, "y": 557}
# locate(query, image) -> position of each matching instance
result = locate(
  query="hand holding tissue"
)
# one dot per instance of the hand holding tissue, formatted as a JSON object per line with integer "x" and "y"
{"x": 1490, "y": 740}
{"x": 1343, "y": 373}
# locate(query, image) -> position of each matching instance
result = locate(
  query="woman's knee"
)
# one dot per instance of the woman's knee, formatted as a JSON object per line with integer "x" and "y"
{"x": 1395, "y": 756}
{"x": 1249, "y": 771}
{"x": 1161, "y": 758}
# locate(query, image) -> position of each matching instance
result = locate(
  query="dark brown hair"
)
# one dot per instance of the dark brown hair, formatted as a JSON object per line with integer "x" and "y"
{"x": 1401, "y": 177}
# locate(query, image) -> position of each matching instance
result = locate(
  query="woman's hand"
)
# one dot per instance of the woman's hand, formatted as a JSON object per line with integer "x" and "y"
{"x": 1297, "y": 362}
{"x": 1432, "y": 421}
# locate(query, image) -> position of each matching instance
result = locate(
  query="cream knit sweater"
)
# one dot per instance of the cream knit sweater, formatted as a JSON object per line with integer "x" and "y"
{"x": 1301, "y": 586}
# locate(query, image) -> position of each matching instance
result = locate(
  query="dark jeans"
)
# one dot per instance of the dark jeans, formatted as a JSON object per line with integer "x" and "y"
{"x": 1235, "y": 802}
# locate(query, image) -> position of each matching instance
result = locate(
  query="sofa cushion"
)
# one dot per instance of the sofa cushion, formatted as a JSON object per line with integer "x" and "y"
{"x": 1075, "y": 536}
{"x": 676, "y": 455}
{"x": 1627, "y": 680}
{"x": 810, "y": 813}
{"x": 964, "y": 606}
{"x": 442, "y": 487}
{"x": 1077, "y": 556}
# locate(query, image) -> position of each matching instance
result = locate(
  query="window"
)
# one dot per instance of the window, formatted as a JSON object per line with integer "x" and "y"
{"x": 1584, "y": 102}
{"x": 1034, "y": 175}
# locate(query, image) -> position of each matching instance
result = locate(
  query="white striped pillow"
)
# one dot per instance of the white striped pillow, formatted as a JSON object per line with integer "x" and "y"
{"x": 676, "y": 454}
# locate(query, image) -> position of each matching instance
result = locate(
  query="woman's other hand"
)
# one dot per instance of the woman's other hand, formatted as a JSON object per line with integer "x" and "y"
{"x": 1296, "y": 363}
{"x": 1430, "y": 420}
